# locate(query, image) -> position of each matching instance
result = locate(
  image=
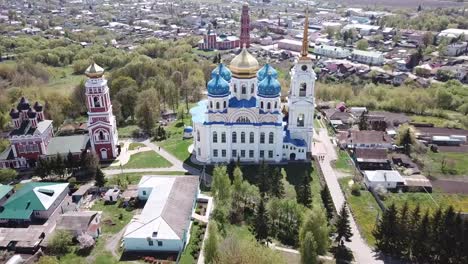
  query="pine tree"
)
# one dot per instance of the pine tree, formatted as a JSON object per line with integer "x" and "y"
{"x": 343, "y": 228}
{"x": 261, "y": 222}
{"x": 420, "y": 250}
{"x": 414, "y": 222}
{"x": 448, "y": 236}
{"x": 402, "y": 228}
{"x": 385, "y": 233}
{"x": 363, "y": 121}
{"x": 315, "y": 221}
{"x": 100, "y": 179}
{"x": 277, "y": 188}
{"x": 435, "y": 233}
{"x": 304, "y": 194}
{"x": 327, "y": 202}
{"x": 309, "y": 249}
{"x": 264, "y": 181}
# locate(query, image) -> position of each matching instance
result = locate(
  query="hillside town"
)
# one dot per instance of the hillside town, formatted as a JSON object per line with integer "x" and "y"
{"x": 233, "y": 132}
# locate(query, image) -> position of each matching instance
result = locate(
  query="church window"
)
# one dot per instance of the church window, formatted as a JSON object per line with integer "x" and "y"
{"x": 270, "y": 154}
{"x": 217, "y": 105}
{"x": 224, "y": 104}
{"x": 211, "y": 104}
{"x": 223, "y": 137}
{"x": 97, "y": 102}
{"x": 234, "y": 153}
{"x": 199, "y": 152}
{"x": 276, "y": 105}
{"x": 251, "y": 153}
{"x": 261, "y": 105}
{"x": 242, "y": 137}
{"x": 262, "y": 153}
{"x": 223, "y": 153}
{"x": 302, "y": 89}
{"x": 101, "y": 135}
{"x": 234, "y": 137}
{"x": 198, "y": 136}
{"x": 215, "y": 137}
{"x": 242, "y": 119}
{"x": 300, "y": 120}
{"x": 242, "y": 153}
{"x": 271, "y": 138}
{"x": 215, "y": 153}
{"x": 268, "y": 105}
{"x": 251, "y": 137}
{"x": 244, "y": 89}
{"x": 235, "y": 88}
{"x": 262, "y": 138}
{"x": 252, "y": 89}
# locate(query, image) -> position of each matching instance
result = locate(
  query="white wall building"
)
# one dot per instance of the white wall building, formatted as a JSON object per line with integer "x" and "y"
{"x": 242, "y": 117}
{"x": 332, "y": 51}
{"x": 456, "y": 49}
{"x": 388, "y": 179}
{"x": 368, "y": 57}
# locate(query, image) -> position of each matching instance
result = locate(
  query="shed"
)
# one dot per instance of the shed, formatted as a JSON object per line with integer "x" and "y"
{"x": 388, "y": 179}
{"x": 112, "y": 195}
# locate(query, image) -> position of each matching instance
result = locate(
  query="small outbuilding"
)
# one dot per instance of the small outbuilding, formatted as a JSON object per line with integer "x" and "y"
{"x": 112, "y": 195}
{"x": 388, "y": 179}
{"x": 188, "y": 132}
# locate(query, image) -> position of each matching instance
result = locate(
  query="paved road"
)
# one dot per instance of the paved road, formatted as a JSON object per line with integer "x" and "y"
{"x": 363, "y": 254}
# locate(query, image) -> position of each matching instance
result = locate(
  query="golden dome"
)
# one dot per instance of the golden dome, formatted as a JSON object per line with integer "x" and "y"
{"x": 94, "y": 71}
{"x": 244, "y": 65}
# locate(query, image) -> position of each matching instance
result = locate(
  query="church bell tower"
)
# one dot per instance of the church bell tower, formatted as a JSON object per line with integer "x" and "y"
{"x": 301, "y": 98}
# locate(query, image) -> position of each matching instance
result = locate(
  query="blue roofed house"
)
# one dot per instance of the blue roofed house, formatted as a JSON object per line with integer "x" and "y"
{"x": 33, "y": 201}
{"x": 243, "y": 115}
{"x": 165, "y": 221}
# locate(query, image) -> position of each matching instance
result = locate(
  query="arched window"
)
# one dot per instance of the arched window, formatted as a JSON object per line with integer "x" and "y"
{"x": 97, "y": 102}
{"x": 300, "y": 120}
{"x": 215, "y": 137}
{"x": 211, "y": 104}
{"x": 244, "y": 89}
{"x": 252, "y": 89}
{"x": 217, "y": 105}
{"x": 242, "y": 137}
{"x": 261, "y": 105}
{"x": 268, "y": 105}
{"x": 252, "y": 137}
{"x": 198, "y": 136}
{"x": 101, "y": 135}
{"x": 235, "y": 88}
{"x": 242, "y": 119}
{"x": 223, "y": 137}
{"x": 271, "y": 138}
{"x": 234, "y": 137}
{"x": 262, "y": 138}
{"x": 224, "y": 104}
{"x": 302, "y": 89}
{"x": 276, "y": 105}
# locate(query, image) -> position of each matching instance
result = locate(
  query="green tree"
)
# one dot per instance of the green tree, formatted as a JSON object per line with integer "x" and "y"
{"x": 262, "y": 223}
{"x": 402, "y": 228}
{"x": 7, "y": 175}
{"x": 264, "y": 180}
{"x": 316, "y": 222}
{"x": 147, "y": 110}
{"x": 287, "y": 216}
{"x": 421, "y": 249}
{"x": 100, "y": 179}
{"x": 127, "y": 97}
{"x": 309, "y": 249}
{"x": 406, "y": 138}
{"x": 343, "y": 228}
{"x": 211, "y": 244}
{"x": 304, "y": 193}
{"x": 327, "y": 202}
{"x": 363, "y": 122}
{"x": 385, "y": 232}
{"x": 414, "y": 221}
{"x": 60, "y": 243}
{"x": 362, "y": 44}
{"x": 122, "y": 82}
{"x": 277, "y": 187}
{"x": 221, "y": 185}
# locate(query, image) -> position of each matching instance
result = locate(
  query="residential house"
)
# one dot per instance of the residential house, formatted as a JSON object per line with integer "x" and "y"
{"x": 34, "y": 201}
{"x": 165, "y": 221}
{"x": 456, "y": 49}
{"x": 363, "y": 29}
{"x": 82, "y": 222}
{"x": 371, "y": 159}
{"x": 112, "y": 195}
{"x": 389, "y": 179}
{"x": 332, "y": 51}
{"x": 368, "y": 57}
{"x": 365, "y": 139}
{"x": 452, "y": 33}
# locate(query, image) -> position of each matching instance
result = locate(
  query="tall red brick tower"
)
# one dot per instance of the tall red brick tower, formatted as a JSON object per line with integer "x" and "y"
{"x": 101, "y": 121}
{"x": 245, "y": 26}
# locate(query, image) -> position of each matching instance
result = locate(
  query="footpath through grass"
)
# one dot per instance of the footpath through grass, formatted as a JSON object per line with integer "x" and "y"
{"x": 364, "y": 208}
{"x": 147, "y": 159}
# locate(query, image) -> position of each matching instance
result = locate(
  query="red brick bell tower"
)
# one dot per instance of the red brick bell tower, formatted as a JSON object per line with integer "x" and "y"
{"x": 245, "y": 26}
{"x": 102, "y": 126}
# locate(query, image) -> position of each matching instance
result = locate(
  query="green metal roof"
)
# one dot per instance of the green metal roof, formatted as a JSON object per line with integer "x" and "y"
{"x": 4, "y": 189}
{"x": 24, "y": 201}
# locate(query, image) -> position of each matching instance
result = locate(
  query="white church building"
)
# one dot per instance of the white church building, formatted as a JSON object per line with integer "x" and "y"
{"x": 243, "y": 116}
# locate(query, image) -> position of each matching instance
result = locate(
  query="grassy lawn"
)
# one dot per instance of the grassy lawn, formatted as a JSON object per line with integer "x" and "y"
{"x": 344, "y": 162}
{"x": 134, "y": 178}
{"x": 175, "y": 144}
{"x": 114, "y": 218}
{"x": 364, "y": 208}
{"x": 147, "y": 159}
{"x": 437, "y": 121}
{"x": 127, "y": 131}
{"x": 456, "y": 164}
{"x": 458, "y": 201}
{"x": 134, "y": 146}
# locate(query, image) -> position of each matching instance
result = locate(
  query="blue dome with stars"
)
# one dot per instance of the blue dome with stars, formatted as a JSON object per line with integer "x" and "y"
{"x": 218, "y": 86}
{"x": 222, "y": 70}
{"x": 265, "y": 70}
{"x": 269, "y": 87}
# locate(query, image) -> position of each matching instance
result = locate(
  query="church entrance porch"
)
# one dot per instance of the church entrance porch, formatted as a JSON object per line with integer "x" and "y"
{"x": 104, "y": 154}
{"x": 292, "y": 156}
